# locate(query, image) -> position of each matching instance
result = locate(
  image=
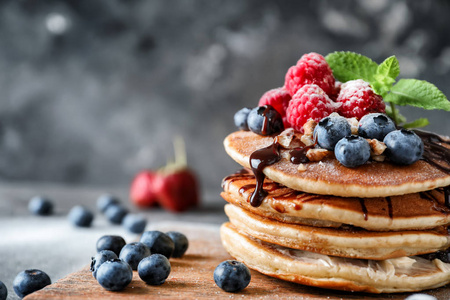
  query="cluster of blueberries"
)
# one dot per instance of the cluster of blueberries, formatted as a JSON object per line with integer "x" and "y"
{"x": 81, "y": 216}
{"x": 115, "y": 260}
{"x": 334, "y": 133}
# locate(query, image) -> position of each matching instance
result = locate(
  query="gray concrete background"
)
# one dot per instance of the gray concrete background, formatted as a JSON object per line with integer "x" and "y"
{"x": 94, "y": 91}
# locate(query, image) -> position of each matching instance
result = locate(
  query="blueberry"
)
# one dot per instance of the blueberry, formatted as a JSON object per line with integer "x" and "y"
{"x": 114, "y": 275}
{"x": 154, "y": 269}
{"x": 114, "y": 243}
{"x": 181, "y": 243}
{"x": 352, "y": 151}
{"x": 29, "y": 281}
{"x": 375, "y": 126}
{"x": 403, "y": 147}
{"x": 133, "y": 253}
{"x": 40, "y": 206}
{"x": 330, "y": 130}
{"x": 106, "y": 200}
{"x": 100, "y": 258}
{"x": 134, "y": 223}
{"x": 232, "y": 276}
{"x": 420, "y": 297}
{"x": 81, "y": 216}
{"x": 240, "y": 118}
{"x": 265, "y": 120}
{"x": 115, "y": 213}
{"x": 3, "y": 291}
{"x": 158, "y": 242}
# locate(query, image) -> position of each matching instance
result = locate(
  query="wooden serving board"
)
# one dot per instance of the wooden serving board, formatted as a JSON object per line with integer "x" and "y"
{"x": 192, "y": 278}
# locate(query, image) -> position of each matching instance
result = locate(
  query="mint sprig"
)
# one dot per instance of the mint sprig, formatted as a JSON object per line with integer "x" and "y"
{"x": 419, "y": 93}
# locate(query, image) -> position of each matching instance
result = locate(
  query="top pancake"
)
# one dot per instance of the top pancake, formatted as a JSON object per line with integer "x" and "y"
{"x": 329, "y": 177}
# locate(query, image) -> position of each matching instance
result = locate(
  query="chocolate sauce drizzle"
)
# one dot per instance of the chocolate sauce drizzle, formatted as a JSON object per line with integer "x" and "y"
{"x": 364, "y": 208}
{"x": 437, "y": 155}
{"x": 258, "y": 161}
{"x": 434, "y": 153}
{"x": 390, "y": 210}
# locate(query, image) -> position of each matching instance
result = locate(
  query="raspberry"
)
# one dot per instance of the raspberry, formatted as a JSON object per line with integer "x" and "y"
{"x": 312, "y": 68}
{"x": 358, "y": 99}
{"x": 310, "y": 102}
{"x": 279, "y": 99}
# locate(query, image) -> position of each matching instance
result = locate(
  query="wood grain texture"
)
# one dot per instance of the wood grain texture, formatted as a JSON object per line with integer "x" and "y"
{"x": 192, "y": 278}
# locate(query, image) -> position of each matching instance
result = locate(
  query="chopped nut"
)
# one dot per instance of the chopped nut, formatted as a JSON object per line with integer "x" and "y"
{"x": 317, "y": 154}
{"x": 286, "y": 155}
{"x": 353, "y": 125}
{"x": 376, "y": 147}
{"x": 308, "y": 127}
{"x": 285, "y": 138}
{"x": 301, "y": 168}
{"x": 307, "y": 140}
{"x": 379, "y": 158}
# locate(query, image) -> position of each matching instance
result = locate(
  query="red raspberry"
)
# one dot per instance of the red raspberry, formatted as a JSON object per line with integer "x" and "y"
{"x": 279, "y": 99}
{"x": 358, "y": 99}
{"x": 310, "y": 102}
{"x": 312, "y": 68}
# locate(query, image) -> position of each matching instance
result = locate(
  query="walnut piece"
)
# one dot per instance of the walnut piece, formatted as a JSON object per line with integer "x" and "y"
{"x": 353, "y": 125}
{"x": 308, "y": 127}
{"x": 376, "y": 147}
{"x": 301, "y": 168}
{"x": 317, "y": 154}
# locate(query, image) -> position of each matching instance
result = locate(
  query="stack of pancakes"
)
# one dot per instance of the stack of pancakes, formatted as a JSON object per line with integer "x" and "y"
{"x": 375, "y": 228}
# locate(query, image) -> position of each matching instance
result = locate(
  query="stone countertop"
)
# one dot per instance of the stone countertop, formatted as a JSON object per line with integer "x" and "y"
{"x": 53, "y": 245}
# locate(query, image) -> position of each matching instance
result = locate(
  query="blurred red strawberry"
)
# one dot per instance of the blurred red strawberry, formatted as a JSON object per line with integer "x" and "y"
{"x": 142, "y": 192}
{"x": 174, "y": 186}
{"x": 177, "y": 189}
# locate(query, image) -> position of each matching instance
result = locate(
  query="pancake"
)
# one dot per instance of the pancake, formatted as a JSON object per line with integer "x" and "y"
{"x": 329, "y": 177}
{"x": 344, "y": 242}
{"x": 416, "y": 211}
{"x": 406, "y": 274}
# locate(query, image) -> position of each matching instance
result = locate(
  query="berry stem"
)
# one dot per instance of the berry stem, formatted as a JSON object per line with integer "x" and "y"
{"x": 180, "y": 151}
{"x": 394, "y": 114}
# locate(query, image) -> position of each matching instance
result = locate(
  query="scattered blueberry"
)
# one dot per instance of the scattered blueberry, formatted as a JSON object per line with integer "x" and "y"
{"x": 29, "y": 281}
{"x": 265, "y": 120}
{"x": 232, "y": 276}
{"x": 114, "y": 275}
{"x": 40, "y": 206}
{"x": 81, "y": 216}
{"x": 330, "y": 130}
{"x": 420, "y": 297}
{"x": 134, "y": 223}
{"x": 3, "y": 291}
{"x": 181, "y": 243}
{"x": 114, "y": 243}
{"x": 403, "y": 146}
{"x": 115, "y": 213}
{"x": 240, "y": 118}
{"x": 100, "y": 258}
{"x": 375, "y": 126}
{"x": 133, "y": 253}
{"x": 352, "y": 151}
{"x": 154, "y": 269}
{"x": 106, "y": 200}
{"x": 158, "y": 242}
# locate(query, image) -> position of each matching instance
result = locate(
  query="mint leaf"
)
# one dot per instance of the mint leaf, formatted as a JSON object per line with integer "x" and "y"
{"x": 422, "y": 122}
{"x": 388, "y": 70}
{"x": 417, "y": 93}
{"x": 350, "y": 66}
{"x": 385, "y": 76}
